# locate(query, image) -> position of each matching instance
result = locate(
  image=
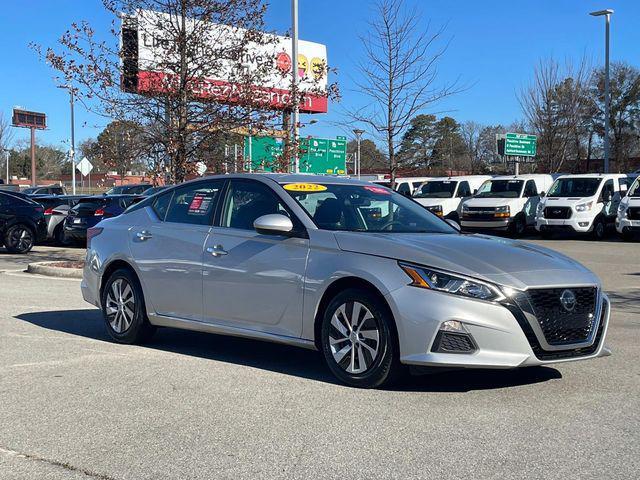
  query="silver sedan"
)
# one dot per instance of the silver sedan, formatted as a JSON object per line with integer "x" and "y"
{"x": 364, "y": 275}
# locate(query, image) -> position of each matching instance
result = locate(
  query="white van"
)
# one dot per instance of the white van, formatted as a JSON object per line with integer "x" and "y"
{"x": 585, "y": 203}
{"x": 628, "y": 218}
{"x": 406, "y": 186}
{"x": 443, "y": 196}
{"x": 507, "y": 203}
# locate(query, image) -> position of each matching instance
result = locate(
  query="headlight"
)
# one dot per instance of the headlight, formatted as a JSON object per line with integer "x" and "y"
{"x": 465, "y": 207}
{"x": 424, "y": 277}
{"x": 436, "y": 210}
{"x": 502, "y": 212}
{"x": 584, "y": 207}
{"x": 622, "y": 208}
{"x": 539, "y": 208}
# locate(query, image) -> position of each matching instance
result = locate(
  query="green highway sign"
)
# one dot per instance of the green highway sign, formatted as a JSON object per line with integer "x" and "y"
{"x": 520, "y": 145}
{"x": 318, "y": 155}
{"x": 264, "y": 152}
{"x": 322, "y": 155}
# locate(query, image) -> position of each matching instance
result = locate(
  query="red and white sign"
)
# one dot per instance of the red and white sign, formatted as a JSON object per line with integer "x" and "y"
{"x": 226, "y": 82}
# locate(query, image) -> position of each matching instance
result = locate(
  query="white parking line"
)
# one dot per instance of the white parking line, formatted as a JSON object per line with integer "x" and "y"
{"x": 24, "y": 274}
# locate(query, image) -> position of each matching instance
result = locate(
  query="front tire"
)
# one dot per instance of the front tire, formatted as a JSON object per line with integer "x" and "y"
{"x": 518, "y": 227}
{"x": 19, "y": 238}
{"x": 358, "y": 340}
{"x": 599, "y": 229}
{"x": 124, "y": 310}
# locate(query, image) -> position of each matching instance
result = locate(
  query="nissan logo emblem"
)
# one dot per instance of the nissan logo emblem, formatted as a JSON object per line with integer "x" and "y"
{"x": 568, "y": 300}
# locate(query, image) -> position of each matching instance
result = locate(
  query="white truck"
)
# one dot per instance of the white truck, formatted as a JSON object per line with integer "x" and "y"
{"x": 406, "y": 186}
{"x": 585, "y": 203}
{"x": 628, "y": 218}
{"x": 443, "y": 196}
{"x": 505, "y": 203}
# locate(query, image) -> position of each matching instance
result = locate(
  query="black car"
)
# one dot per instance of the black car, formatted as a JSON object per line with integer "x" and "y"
{"x": 133, "y": 189}
{"x": 153, "y": 190}
{"x": 22, "y": 222}
{"x": 89, "y": 211}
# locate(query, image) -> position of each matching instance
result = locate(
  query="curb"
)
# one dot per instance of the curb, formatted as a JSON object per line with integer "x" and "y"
{"x": 44, "y": 268}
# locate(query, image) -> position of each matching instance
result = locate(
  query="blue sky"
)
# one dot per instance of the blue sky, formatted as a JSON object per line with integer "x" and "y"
{"x": 494, "y": 47}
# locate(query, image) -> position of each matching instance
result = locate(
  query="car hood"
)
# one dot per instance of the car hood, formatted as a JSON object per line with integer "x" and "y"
{"x": 506, "y": 262}
{"x": 430, "y": 202}
{"x": 566, "y": 201}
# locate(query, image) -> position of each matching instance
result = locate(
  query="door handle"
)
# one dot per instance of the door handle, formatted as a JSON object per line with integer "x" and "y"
{"x": 217, "y": 251}
{"x": 143, "y": 235}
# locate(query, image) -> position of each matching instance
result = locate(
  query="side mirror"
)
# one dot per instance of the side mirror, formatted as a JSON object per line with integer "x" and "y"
{"x": 407, "y": 194}
{"x": 606, "y": 196}
{"x": 475, "y": 190}
{"x": 454, "y": 224}
{"x": 543, "y": 194}
{"x": 273, "y": 224}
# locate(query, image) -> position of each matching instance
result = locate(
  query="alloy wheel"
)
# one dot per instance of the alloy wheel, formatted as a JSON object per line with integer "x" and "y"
{"x": 354, "y": 337}
{"x": 120, "y": 305}
{"x": 21, "y": 239}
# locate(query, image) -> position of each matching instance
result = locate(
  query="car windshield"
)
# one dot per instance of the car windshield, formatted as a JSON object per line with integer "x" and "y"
{"x": 634, "y": 191}
{"x": 117, "y": 190}
{"x": 500, "y": 189}
{"x": 574, "y": 187}
{"x": 364, "y": 208}
{"x": 437, "y": 189}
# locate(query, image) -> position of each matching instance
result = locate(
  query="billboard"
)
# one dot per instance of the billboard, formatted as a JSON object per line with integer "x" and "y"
{"x": 149, "y": 59}
{"x": 25, "y": 118}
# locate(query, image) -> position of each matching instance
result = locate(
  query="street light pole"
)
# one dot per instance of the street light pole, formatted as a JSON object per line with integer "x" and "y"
{"x": 72, "y": 151}
{"x": 607, "y": 93}
{"x": 294, "y": 85}
{"x": 356, "y": 165}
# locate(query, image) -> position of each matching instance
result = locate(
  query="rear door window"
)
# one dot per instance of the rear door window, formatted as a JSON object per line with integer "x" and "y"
{"x": 530, "y": 189}
{"x": 404, "y": 188}
{"x": 161, "y": 205}
{"x": 194, "y": 203}
{"x": 464, "y": 190}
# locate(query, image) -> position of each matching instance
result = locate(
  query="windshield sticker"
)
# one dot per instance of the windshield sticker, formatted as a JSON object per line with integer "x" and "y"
{"x": 380, "y": 190}
{"x": 305, "y": 187}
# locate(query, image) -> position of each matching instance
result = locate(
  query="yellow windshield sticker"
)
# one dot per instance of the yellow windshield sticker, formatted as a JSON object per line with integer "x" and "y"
{"x": 304, "y": 187}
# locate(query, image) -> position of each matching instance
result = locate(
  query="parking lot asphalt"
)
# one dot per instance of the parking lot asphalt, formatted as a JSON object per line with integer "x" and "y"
{"x": 74, "y": 405}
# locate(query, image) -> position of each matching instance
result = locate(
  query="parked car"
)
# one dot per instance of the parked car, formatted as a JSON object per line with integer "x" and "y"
{"x": 56, "y": 209}
{"x": 443, "y": 196}
{"x": 22, "y": 222}
{"x": 586, "y": 203}
{"x": 368, "y": 277}
{"x": 405, "y": 186}
{"x": 45, "y": 190}
{"x": 628, "y": 218}
{"x": 133, "y": 189}
{"x": 506, "y": 203}
{"x": 89, "y": 211}
{"x": 153, "y": 190}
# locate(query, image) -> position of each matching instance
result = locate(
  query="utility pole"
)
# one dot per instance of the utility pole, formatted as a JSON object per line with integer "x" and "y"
{"x": 294, "y": 85}
{"x": 33, "y": 157}
{"x": 6, "y": 151}
{"x": 72, "y": 151}
{"x": 607, "y": 93}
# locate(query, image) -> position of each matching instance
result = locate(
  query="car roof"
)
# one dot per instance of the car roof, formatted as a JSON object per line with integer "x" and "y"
{"x": 283, "y": 178}
{"x": 528, "y": 176}
{"x": 594, "y": 175}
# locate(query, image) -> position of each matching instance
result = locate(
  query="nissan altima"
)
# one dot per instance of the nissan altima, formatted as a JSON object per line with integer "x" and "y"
{"x": 368, "y": 277}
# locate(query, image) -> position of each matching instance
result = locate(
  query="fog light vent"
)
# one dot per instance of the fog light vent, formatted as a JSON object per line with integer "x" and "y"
{"x": 453, "y": 337}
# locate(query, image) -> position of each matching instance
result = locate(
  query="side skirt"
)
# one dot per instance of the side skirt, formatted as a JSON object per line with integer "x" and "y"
{"x": 180, "y": 323}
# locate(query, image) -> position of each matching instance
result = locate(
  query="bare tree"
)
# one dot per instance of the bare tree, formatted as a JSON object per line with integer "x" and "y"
{"x": 398, "y": 74}
{"x": 470, "y": 132}
{"x": 554, "y": 105}
{"x": 175, "y": 92}
{"x": 6, "y": 135}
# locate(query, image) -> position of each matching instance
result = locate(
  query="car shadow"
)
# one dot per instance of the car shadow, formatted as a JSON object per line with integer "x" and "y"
{"x": 627, "y": 301}
{"x": 279, "y": 358}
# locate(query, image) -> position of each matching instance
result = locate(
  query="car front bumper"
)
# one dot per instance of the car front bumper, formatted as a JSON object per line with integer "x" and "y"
{"x": 471, "y": 224}
{"x": 578, "y": 224}
{"x": 623, "y": 224}
{"x": 500, "y": 340}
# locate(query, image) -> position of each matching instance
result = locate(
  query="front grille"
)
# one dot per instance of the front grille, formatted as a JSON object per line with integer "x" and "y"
{"x": 542, "y": 354}
{"x": 479, "y": 213}
{"x": 559, "y": 324}
{"x": 449, "y": 342}
{"x": 633, "y": 213}
{"x": 557, "y": 212}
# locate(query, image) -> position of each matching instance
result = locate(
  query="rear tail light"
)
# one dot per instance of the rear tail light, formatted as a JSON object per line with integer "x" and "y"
{"x": 48, "y": 211}
{"x": 91, "y": 233}
{"x": 39, "y": 209}
{"x": 101, "y": 212}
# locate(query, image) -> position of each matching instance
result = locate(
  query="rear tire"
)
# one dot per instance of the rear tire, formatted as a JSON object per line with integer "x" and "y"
{"x": 358, "y": 340}
{"x": 19, "y": 238}
{"x": 59, "y": 237}
{"x": 123, "y": 309}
